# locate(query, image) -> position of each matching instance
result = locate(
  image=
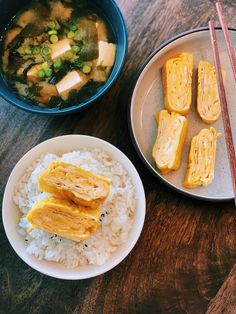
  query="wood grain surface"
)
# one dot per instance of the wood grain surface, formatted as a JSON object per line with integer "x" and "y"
{"x": 187, "y": 247}
{"x": 225, "y": 300}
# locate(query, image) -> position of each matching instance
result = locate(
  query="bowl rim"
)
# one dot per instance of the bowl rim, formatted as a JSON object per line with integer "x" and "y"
{"x": 130, "y": 126}
{"x": 119, "y": 255}
{"x": 18, "y": 103}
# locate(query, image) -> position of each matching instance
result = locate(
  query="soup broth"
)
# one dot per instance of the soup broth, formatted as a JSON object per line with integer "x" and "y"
{"x": 58, "y": 53}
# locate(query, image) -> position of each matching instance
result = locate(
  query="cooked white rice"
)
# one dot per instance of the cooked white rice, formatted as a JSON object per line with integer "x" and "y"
{"x": 117, "y": 211}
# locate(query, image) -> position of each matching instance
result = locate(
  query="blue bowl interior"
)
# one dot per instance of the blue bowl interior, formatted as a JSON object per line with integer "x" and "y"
{"x": 113, "y": 16}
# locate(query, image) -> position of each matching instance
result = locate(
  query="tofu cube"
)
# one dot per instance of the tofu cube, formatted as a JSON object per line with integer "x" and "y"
{"x": 59, "y": 48}
{"x": 72, "y": 80}
{"x": 32, "y": 74}
{"x": 101, "y": 30}
{"x": 107, "y": 54}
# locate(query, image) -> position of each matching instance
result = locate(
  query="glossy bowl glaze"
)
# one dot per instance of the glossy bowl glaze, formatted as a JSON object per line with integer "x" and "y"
{"x": 113, "y": 16}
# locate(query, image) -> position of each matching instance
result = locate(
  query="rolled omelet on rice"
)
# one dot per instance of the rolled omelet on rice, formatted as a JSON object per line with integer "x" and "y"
{"x": 172, "y": 130}
{"x": 64, "y": 218}
{"x": 74, "y": 183}
{"x": 177, "y": 83}
{"x": 208, "y": 102}
{"x": 115, "y": 222}
{"x": 201, "y": 164}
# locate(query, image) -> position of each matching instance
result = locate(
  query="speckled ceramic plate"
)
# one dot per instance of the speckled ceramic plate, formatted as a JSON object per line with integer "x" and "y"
{"x": 147, "y": 99}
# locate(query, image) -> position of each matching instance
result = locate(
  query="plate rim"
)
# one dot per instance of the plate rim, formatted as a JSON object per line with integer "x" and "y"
{"x": 122, "y": 252}
{"x": 130, "y": 126}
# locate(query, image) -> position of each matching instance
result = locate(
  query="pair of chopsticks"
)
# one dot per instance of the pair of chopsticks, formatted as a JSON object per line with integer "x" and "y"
{"x": 222, "y": 96}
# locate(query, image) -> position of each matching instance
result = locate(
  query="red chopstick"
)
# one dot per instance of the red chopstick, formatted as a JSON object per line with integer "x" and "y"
{"x": 229, "y": 45}
{"x": 224, "y": 107}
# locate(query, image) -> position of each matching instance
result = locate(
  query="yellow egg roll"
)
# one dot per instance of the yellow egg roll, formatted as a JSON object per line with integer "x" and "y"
{"x": 208, "y": 102}
{"x": 64, "y": 218}
{"x": 74, "y": 183}
{"x": 177, "y": 83}
{"x": 201, "y": 164}
{"x": 172, "y": 130}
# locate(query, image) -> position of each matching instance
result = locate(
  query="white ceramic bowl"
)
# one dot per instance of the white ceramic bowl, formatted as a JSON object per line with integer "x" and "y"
{"x": 11, "y": 214}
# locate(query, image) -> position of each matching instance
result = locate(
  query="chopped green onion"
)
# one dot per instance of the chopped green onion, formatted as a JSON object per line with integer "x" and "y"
{"x": 77, "y": 36}
{"x": 48, "y": 72}
{"x": 52, "y": 32}
{"x": 54, "y": 39}
{"x": 45, "y": 65}
{"x": 69, "y": 54}
{"x": 76, "y": 49}
{"x": 52, "y": 25}
{"x": 57, "y": 64}
{"x": 86, "y": 69}
{"x": 78, "y": 63}
{"x": 46, "y": 51}
{"x": 73, "y": 28}
{"x": 36, "y": 50}
{"x": 28, "y": 50}
{"x": 41, "y": 73}
{"x": 71, "y": 35}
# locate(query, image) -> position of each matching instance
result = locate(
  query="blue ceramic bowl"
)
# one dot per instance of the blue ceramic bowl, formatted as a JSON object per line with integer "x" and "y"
{"x": 113, "y": 16}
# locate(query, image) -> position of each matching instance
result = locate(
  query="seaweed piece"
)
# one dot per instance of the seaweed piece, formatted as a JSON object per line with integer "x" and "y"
{"x": 35, "y": 90}
{"x": 87, "y": 91}
{"x": 56, "y": 101}
{"x": 89, "y": 50}
{"x": 33, "y": 29}
{"x": 16, "y": 43}
{"x": 15, "y": 60}
{"x": 66, "y": 67}
{"x": 12, "y": 78}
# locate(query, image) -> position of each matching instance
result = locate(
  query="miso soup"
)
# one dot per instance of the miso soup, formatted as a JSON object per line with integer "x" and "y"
{"x": 58, "y": 53}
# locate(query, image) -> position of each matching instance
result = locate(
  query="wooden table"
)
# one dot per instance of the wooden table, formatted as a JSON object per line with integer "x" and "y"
{"x": 187, "y": 247}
